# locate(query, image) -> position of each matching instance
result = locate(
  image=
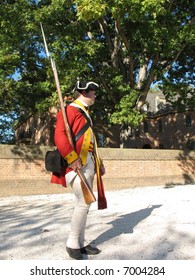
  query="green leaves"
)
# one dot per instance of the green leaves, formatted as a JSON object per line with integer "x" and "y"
{"x": 125, "y": 45}
{"x": 126, "y": 112}
{"x": 90, "y": 9}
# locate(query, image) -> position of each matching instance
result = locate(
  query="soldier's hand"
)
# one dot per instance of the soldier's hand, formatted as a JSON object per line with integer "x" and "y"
{"x": 77, "y": 164}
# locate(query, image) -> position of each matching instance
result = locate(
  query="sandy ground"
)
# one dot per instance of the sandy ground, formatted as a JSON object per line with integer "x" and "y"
{"x": 150, "y": 223}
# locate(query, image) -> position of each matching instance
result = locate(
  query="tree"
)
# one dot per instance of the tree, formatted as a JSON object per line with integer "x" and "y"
{"x": 127, "y": 46}
{"x": 146, "y": 42}
{"x": 22, "y": 76}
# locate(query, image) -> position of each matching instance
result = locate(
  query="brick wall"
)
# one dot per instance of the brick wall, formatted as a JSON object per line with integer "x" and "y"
{"x": 174, "y": 133}
{"x": 23, "y": 173}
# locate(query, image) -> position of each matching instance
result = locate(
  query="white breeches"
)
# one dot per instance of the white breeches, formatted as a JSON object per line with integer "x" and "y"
{"x": 76, "y": 237}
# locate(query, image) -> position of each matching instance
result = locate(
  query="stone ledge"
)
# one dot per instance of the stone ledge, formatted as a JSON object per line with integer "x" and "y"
{"x": 38, "y": 152}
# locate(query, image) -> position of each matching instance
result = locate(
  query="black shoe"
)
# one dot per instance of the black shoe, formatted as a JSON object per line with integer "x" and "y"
{"x": 74, "y": 253}
{"x": 88, "y": 250}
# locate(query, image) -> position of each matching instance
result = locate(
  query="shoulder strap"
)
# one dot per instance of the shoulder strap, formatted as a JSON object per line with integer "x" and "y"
{"x": 85, "y": 116}
{"x": 81, "y": 132}
{"x": 84, "y": 128}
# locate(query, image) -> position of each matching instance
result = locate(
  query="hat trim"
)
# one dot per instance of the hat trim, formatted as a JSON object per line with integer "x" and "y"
{"x": 87, "y": 84}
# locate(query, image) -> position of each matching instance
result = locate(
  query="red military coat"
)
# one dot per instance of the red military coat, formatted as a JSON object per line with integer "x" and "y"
{"x": 76, "y": 121}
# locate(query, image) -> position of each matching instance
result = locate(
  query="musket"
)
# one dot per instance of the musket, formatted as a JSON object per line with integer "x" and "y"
{"x": 86, "y": 189}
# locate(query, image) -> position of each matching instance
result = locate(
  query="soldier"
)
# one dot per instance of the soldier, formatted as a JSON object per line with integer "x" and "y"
{"x": 83, "y": 156}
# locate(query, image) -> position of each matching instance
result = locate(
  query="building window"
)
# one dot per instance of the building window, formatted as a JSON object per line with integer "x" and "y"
{"x": 146, "y": 128}
{"x": 160, "y": 126}
{"x": 188, "y": 121}
{"x": 101, "y": 140}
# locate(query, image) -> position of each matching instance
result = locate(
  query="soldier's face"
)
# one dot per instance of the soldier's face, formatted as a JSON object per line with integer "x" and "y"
{"x": 90, "y": 97}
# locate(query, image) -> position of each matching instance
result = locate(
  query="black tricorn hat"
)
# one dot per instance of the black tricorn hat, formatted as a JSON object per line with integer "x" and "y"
{"x": 81, "y": 85}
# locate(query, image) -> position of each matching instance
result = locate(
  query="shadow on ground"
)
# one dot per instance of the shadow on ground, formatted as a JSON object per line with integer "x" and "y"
{"x": 125, "y": 224}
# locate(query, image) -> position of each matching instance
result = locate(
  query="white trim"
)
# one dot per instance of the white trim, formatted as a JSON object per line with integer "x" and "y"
{"x": 87, "y": 84}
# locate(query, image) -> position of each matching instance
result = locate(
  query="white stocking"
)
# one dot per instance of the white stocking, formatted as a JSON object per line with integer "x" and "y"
{"x": 76, "y": 237}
